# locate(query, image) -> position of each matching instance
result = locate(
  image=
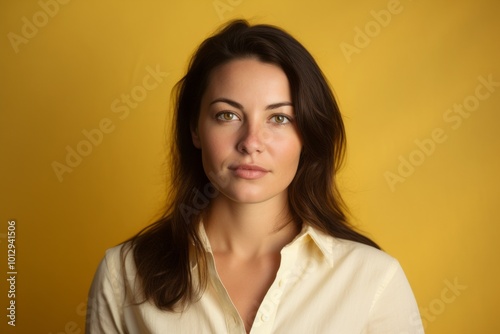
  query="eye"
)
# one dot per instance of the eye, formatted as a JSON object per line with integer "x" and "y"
{"x": 226, "y": 116}
{"x": 281, "y": 119}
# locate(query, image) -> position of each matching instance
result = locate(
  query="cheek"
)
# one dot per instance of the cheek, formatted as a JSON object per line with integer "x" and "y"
{"x": 213, "y": 159}
{"x": 293, "y": 160}
{"x": 215, "y": 141}
{"x": 213, "y": 150}
{"x": 289, "y": 148}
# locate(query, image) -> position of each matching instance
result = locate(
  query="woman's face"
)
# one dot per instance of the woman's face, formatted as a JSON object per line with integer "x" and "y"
{"x": 247, "y": 133}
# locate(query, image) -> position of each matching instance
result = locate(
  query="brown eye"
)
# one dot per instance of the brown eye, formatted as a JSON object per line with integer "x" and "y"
{"x": 226, "y": 116}
{"x": 280, "y": 119}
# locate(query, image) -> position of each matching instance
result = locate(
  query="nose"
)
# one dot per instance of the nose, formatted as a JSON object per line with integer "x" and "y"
{"x": 252, "y": 139}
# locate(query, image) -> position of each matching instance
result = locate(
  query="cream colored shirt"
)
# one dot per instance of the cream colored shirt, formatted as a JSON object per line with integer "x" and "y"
{"x": 323, "y": 285}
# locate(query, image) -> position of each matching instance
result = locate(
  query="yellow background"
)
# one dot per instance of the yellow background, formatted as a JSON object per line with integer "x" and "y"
{"x": 442, "y": 222}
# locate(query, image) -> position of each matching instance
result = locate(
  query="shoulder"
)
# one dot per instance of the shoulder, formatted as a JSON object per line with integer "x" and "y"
{"x": 365, "y": 262}
{"x": 358, "y": 252}
{"x": 110, "y": 291}
{"x": 116, "y": 254}
{"x": 355, "y": 261}
{"x": 337, "y": 250}
{"x": 381, "y": 279}
{"x": 117, "y": 265}
{"x": 370, "y": 271}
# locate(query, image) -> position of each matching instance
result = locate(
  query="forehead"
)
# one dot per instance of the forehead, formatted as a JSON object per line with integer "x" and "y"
{"x": 248, "y": 77}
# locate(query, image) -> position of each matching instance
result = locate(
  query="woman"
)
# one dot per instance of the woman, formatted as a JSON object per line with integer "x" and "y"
{"x": 255, "y": 238}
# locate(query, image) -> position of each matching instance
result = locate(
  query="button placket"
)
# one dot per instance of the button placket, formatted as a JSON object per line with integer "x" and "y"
{"x": 234, "y": 324}
{"x": 267, "y": 310}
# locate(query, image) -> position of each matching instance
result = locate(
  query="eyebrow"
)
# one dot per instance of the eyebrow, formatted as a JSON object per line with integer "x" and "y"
{"x": 239, "y": 106}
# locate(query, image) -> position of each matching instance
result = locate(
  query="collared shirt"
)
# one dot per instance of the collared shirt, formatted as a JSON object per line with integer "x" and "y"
{"x": 323, "y": 285}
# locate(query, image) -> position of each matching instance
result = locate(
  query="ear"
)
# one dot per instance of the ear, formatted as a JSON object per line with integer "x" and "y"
{"x": 195, "y": 137}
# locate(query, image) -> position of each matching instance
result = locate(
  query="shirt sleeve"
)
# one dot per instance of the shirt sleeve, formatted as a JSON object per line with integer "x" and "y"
{"x": 105, "y": 300}
{"x": 394, "y": 309}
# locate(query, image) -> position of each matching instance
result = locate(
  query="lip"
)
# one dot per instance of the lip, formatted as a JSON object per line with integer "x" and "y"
{"x": 249, "y": 172}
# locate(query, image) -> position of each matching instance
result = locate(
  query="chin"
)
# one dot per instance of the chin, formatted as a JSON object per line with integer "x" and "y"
{"x": 255, "y": 197}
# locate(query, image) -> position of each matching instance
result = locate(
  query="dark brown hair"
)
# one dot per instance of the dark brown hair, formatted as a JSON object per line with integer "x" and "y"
{"x": 163, "y": 251}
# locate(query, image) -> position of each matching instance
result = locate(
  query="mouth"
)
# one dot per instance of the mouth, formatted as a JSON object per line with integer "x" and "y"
{"x": 249, "y": 172}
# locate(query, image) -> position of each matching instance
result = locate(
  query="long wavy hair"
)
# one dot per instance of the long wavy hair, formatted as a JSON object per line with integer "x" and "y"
{"x": 164, "y": 251}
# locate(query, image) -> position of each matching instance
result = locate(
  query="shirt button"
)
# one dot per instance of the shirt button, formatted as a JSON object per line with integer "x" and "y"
{"x": 265, "y": 317}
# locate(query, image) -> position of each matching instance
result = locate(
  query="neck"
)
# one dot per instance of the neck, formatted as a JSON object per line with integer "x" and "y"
{"x": 249, "y": 230}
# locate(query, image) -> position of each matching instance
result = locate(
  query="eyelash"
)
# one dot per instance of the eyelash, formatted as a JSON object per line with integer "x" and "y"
{"x": 219, "y": 116}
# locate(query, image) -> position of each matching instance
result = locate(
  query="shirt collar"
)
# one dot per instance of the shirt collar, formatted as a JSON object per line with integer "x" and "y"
{"x": 321, "y": 240}
{"x": 324, "y": 242}
{"x": 204, "y": 237}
